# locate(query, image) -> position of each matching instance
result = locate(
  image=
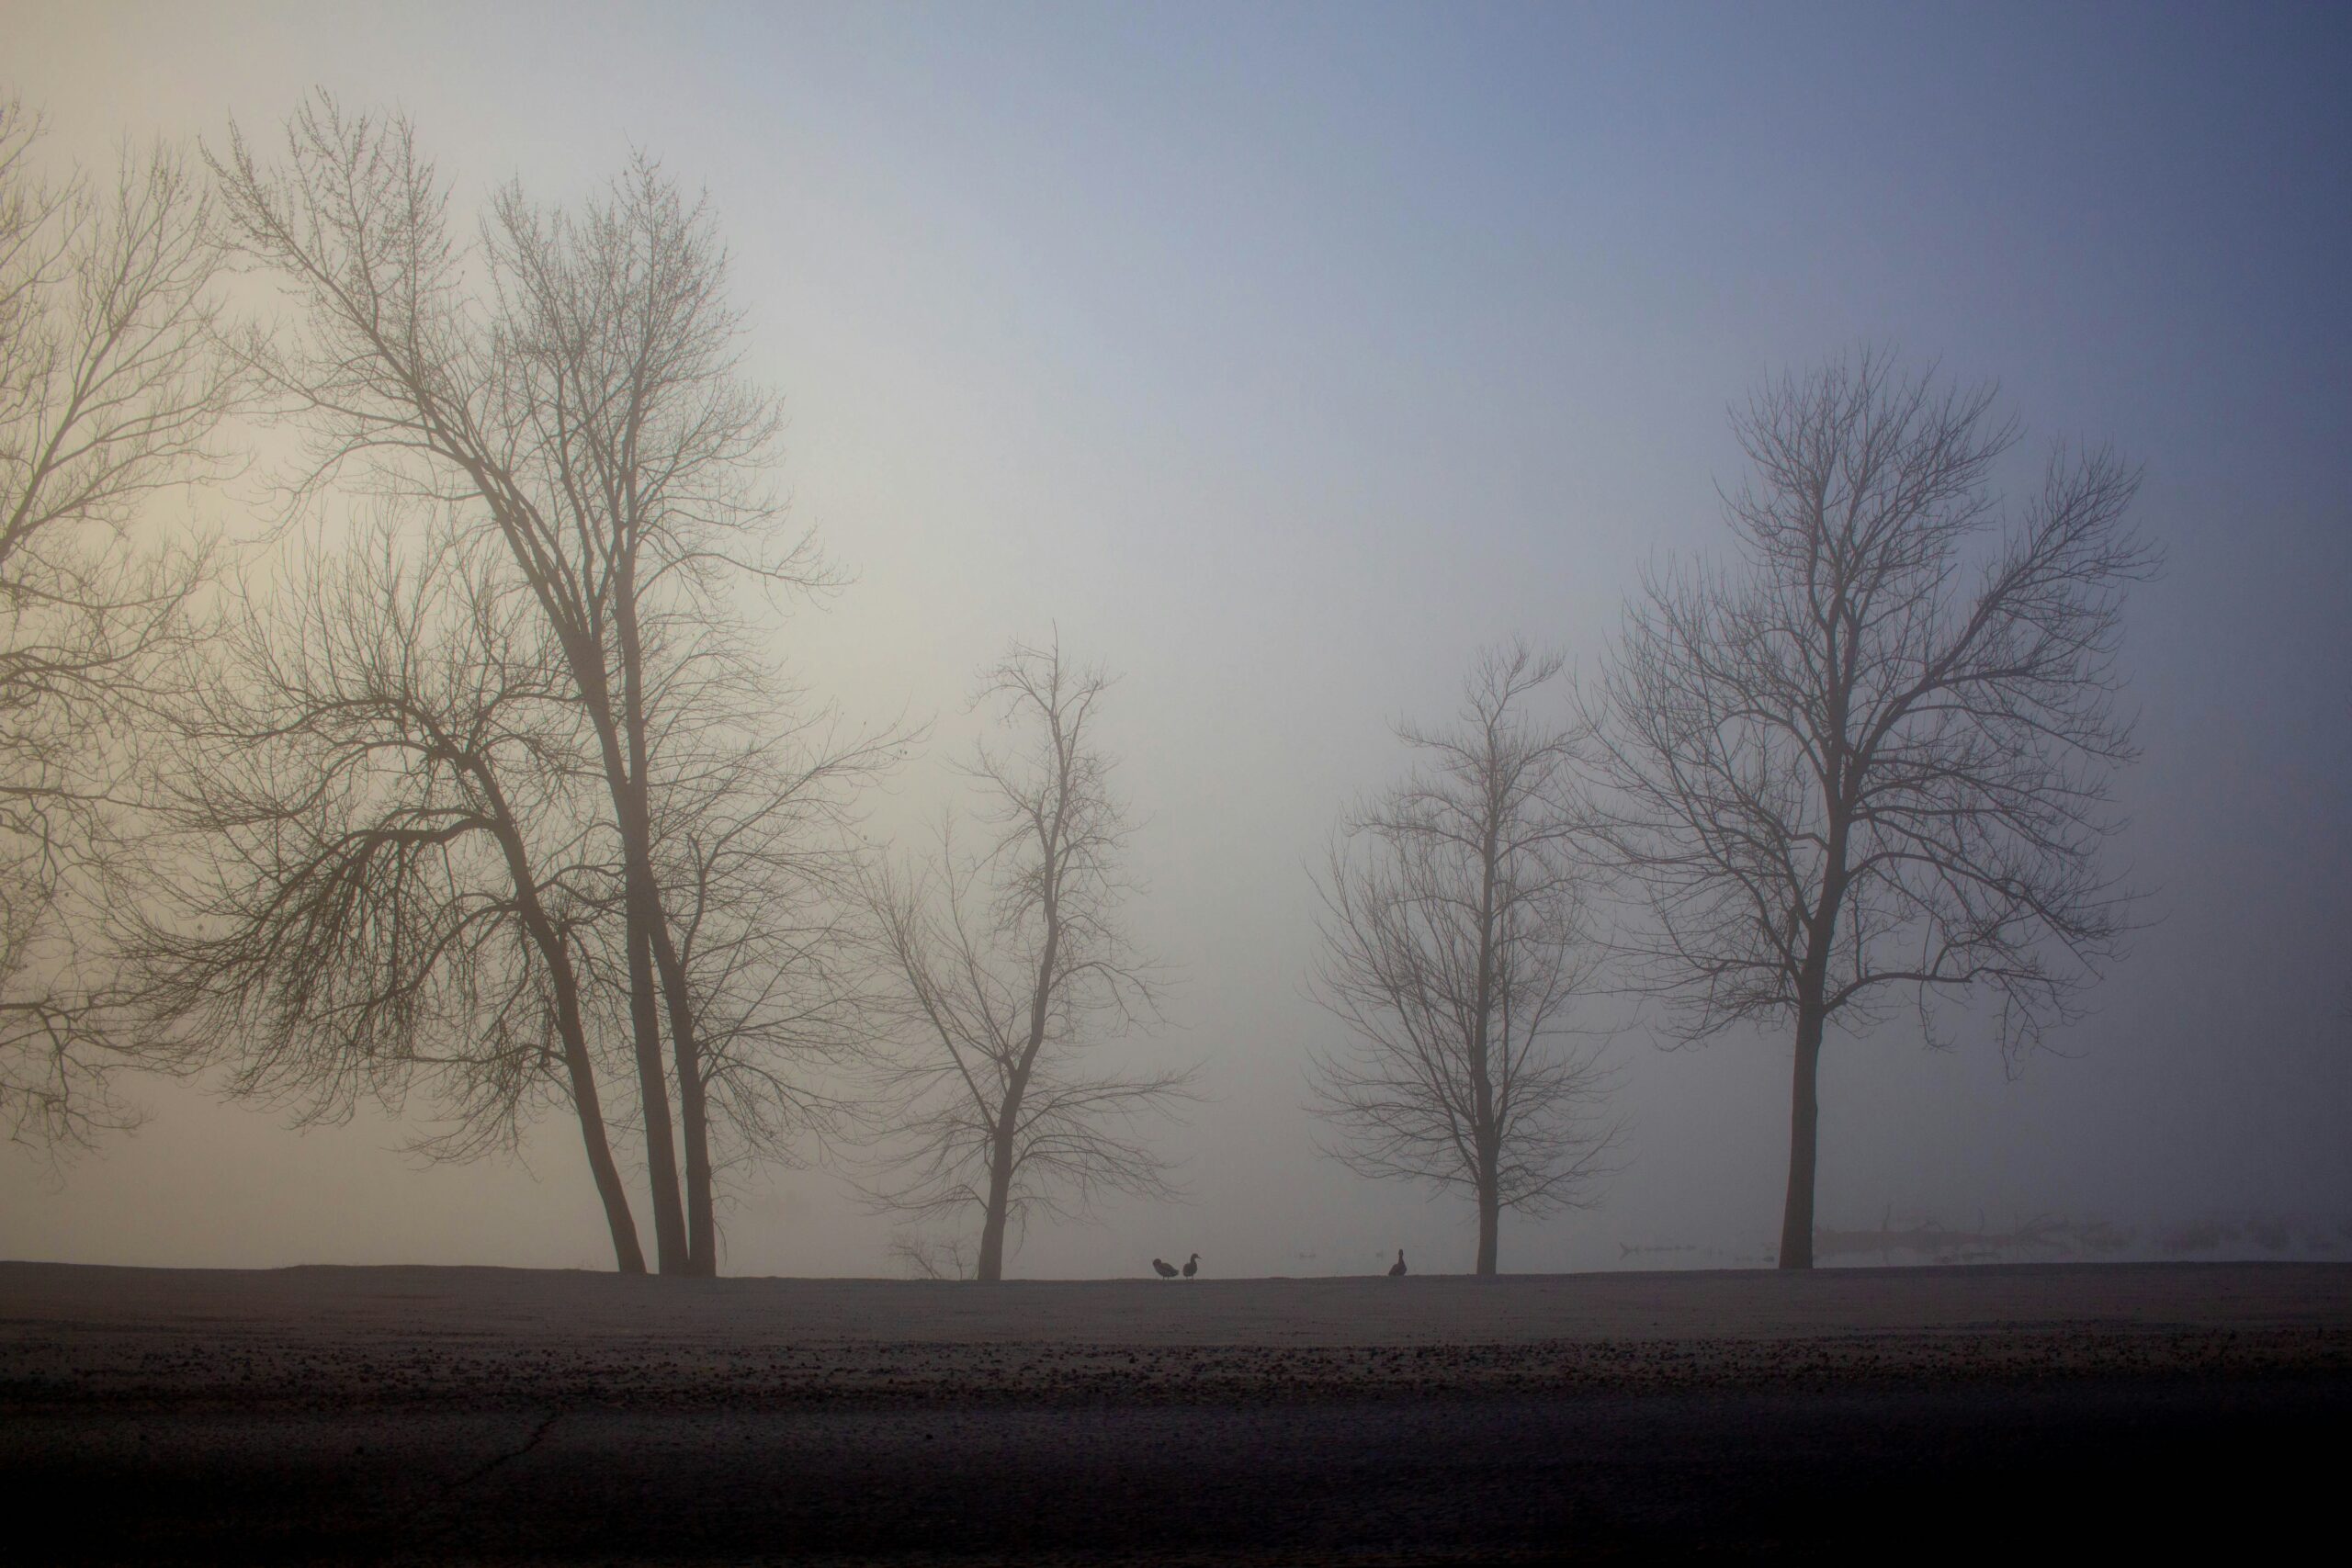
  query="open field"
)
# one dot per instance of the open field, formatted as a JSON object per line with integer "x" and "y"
{"x": 434, "y": 1414}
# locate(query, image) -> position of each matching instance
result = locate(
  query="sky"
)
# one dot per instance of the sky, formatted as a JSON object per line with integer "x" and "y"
{"x": 1282, "y": 357}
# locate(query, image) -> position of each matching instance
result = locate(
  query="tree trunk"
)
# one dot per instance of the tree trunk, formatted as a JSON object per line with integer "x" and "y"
{"x": 1837, "y": 802}
{"x": 628, "y": 1256}
{"x": 1805, "y": 1114}
{"x": 1487, "y": 1125}
{"x": 1000, "y": 1151}
{"x": 661, "y": 1140}
{"x": 640, "y": 909}
{"x": 693, "y": 1115}
{"x": 1812, "y": 1013}
{"x": 694, "y": 1121}
{"x": 991, "y": 1264}
{"x": 1490, "y": 1215}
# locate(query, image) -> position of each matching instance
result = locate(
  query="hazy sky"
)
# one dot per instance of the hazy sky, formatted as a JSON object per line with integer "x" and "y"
{"x": 1284, "y": 356}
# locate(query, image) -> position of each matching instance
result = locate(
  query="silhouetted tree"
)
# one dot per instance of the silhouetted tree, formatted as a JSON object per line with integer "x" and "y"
{"x": 1872, "y": 755}
{"x": 1007, "y": 968}
{"x": 110, "y": 393}
{"x": 1455, "y": 942}
{"x": 570, "y": 388}
{"x": 391, "y": 863}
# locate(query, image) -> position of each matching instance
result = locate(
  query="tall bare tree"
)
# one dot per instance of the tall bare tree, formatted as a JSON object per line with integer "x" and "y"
{"x": 1455, "y": 944}
{"x": 1008, "y": 968}
{"x": 389, "y": 867}
{"x": 111, "y": 393}
{"x": 1872, "y": 757}
{"x": 572, "y": 388}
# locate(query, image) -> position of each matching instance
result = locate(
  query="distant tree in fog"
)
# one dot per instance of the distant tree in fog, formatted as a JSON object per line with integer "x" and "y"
{"x": 1871, "y": 755}
{"x": 1006, "y": 969}
{"x": 1456, "y": 942}
{"x": 570, "y": 391}
{"x": 111, "y": 393}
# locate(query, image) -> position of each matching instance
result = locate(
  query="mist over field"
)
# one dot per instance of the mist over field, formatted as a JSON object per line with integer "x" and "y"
{"x": 1280, "y": 363}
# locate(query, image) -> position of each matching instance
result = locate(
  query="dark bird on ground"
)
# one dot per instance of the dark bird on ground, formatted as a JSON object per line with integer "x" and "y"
{"x": 1192, "y": 1265}
{"x": 1398, "y": 1267}
{"x": 1165, "y": 1271}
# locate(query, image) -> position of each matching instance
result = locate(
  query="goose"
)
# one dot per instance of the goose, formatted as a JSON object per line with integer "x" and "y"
{"x": 1165, "y": 1271}
{"x": 1398, "y": 1268}
{"x": 1192, "y": 1265}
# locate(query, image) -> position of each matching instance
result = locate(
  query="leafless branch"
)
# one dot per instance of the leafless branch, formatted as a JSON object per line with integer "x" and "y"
{"x": 112, "y": 393}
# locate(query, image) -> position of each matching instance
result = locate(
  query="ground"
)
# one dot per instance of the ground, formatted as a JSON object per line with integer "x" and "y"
{"x": 508, "y": 1415}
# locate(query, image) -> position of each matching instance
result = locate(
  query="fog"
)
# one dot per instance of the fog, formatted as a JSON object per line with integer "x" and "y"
{"x": 1281, "y": 361}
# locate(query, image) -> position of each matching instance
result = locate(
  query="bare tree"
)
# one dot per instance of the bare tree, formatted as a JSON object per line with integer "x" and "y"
{"x": 1455, "y": 942}
{"x": 390, "y": 865}
{"x": 109, "y": 394}
{"x": 1008, "y": 967}
{"x": 570, "y": 387}
{"x": 754, "y": 855}
{"x": 1873, "y": 756}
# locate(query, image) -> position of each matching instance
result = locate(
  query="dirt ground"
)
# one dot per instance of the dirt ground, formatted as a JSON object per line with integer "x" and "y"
{"x": 495, "y": 1415}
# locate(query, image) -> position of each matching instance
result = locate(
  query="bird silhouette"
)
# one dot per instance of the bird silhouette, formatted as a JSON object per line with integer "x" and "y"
{"x": 1192, "y": 1265}
{"x": 1398, "y": 1268}
{"x": 1165, "y": 1271}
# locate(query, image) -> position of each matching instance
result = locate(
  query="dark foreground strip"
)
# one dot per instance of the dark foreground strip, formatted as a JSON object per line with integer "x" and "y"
{"x": 1909, "y": 1467}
